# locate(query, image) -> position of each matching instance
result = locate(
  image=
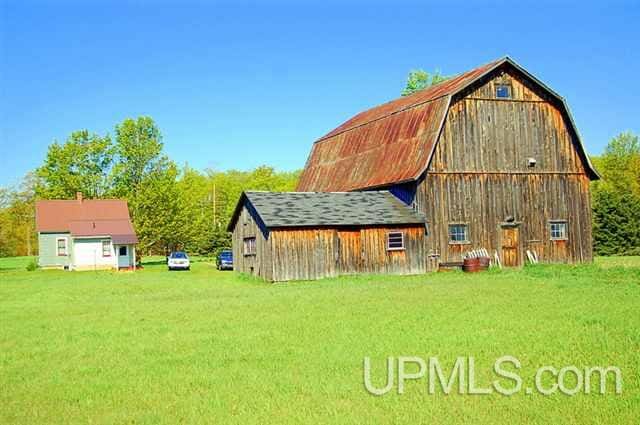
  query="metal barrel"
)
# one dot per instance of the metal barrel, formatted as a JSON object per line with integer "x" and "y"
{"x": 471, "y": 265}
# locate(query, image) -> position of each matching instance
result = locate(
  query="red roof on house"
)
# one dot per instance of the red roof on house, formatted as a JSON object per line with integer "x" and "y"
{"x": 89, "y": 217}
{"x": 393, "y": 142}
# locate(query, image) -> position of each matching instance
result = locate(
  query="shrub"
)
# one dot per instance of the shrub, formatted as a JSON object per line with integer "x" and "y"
{"x": 32, "y": 266}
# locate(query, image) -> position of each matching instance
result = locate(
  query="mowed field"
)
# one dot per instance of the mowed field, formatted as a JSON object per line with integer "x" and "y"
{"x": 214, "y": 347}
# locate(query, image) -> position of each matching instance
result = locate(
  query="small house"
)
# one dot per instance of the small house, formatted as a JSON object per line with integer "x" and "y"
{"x": 85, "y": 234}
{"x": 282, "y": 236}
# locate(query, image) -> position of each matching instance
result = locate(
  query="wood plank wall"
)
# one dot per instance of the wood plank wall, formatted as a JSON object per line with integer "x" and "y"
{"x": 485, "y": 201}
{"x": 307, "y": 254}
{"x": 259, "y": 264}
{"x": 479, "y": 174}
{"x": 304, "y": 254}
{"x": 376, "y": 258}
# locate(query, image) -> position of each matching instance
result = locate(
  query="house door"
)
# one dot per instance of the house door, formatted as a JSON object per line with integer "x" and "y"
{"x": 510, "y": 246}
{"x": 349, "y": 251}
{"x": 123, "y": 256}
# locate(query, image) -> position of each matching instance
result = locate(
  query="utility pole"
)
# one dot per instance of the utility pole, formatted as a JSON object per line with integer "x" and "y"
{"x": 215, "y": 222}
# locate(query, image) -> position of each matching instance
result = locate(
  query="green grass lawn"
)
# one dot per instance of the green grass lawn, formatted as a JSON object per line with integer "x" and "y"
{"x": 14, "y": 263}
{"x": 213, "y": 347}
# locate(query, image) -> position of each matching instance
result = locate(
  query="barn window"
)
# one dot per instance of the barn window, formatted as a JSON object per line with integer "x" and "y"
{"x": 503, "y": 91}
{"x": 558, "y": 230}
{"x": 62, "y": 247}
{"x": 122, "y": 251}
{"x": 458, "y": 233}
{"x": 249, "y": 246}
{"x": 395, "y": 241}
{"x": 106, "y": 248}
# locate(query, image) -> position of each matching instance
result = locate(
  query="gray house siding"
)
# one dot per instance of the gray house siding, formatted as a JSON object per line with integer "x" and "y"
{"x": 47, "y": 243}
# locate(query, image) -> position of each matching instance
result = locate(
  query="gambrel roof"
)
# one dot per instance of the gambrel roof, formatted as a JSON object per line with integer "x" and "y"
{"x": 393, "y": 143}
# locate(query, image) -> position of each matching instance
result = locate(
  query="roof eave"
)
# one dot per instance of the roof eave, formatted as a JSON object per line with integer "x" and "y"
{"x": 342, "y": 225}
{"x": 236, "y": 212}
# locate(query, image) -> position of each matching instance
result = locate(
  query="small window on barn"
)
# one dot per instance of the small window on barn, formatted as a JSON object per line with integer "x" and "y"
{"x": 458, "y": 233}
{"x": 503, "y": 91}
{"x": 62, "y": 247}
{"x": 558, "y": 230}
{"x": 395, "y": 241}
{"x": 249, "y": 246}
{"x": 106, "y": 248}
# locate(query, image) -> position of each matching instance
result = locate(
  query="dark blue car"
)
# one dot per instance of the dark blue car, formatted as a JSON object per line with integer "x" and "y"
{"x": 225, "y": 260}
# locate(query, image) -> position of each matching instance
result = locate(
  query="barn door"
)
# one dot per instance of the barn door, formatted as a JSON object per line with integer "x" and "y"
{"x": 349, "y": 251}
{"x": 510, "y": 246}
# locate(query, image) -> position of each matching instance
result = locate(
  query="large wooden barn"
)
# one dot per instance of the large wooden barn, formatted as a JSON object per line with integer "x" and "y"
{"x": 491, "y": 157}
{"x": 303, "y": 236}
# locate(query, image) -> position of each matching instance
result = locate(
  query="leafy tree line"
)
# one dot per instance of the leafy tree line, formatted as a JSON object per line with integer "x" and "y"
{"x": 616, "y": 198}
{"x": 171, "y": 207}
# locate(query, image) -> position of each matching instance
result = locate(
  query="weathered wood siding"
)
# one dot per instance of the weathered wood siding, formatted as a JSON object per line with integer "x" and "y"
{"x": 480, "y": 175}
{"x": 307, "y": 254}
{"x": 259, "y": 264}
{"x": 376, "y": 258}
{"x": 301, "y": 254}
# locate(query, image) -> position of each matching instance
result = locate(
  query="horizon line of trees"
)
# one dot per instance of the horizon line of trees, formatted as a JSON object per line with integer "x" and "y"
{"x": 171, "y": 207}
{"x": 180, "y": 207}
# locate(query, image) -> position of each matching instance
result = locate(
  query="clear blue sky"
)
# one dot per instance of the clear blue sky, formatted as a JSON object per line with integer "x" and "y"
{"x": 235, "y": 85}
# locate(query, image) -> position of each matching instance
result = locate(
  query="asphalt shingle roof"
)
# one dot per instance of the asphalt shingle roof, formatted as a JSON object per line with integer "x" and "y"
{"x": 86, "y": 217}
{"x": 298, "y": 209}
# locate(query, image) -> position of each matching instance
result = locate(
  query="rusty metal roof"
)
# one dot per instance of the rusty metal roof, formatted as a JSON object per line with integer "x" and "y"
{"x": 393, "y": 142}
{"x": 88, "y": 217}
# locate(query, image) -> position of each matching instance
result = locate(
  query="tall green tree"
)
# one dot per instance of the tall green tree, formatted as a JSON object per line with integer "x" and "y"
{"x": 616, "y": 222}
{"x": 620, "y": 163}
{"x": 138, "y": 153}
{"x": 158, "y": 217}
{"x": 196, "y": 195}
{"x": 81, "y": 164}
{"x": 144, "y": 176}
{"x": 420, "y": 79}
{"x": 17, "y": 219}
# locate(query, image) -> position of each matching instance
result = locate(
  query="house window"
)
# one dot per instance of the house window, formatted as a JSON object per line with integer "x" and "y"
{"x": 503, "y": 91}
{"x": 395, "y": 241}
{"x": 458, "y": 233}
{"x": 558, "y": 230}
{"x": 122, "y": 251}
{"x": 106, "y": 248}
{"x": 249, "y": 246}
{"x": 62, "y": 247}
